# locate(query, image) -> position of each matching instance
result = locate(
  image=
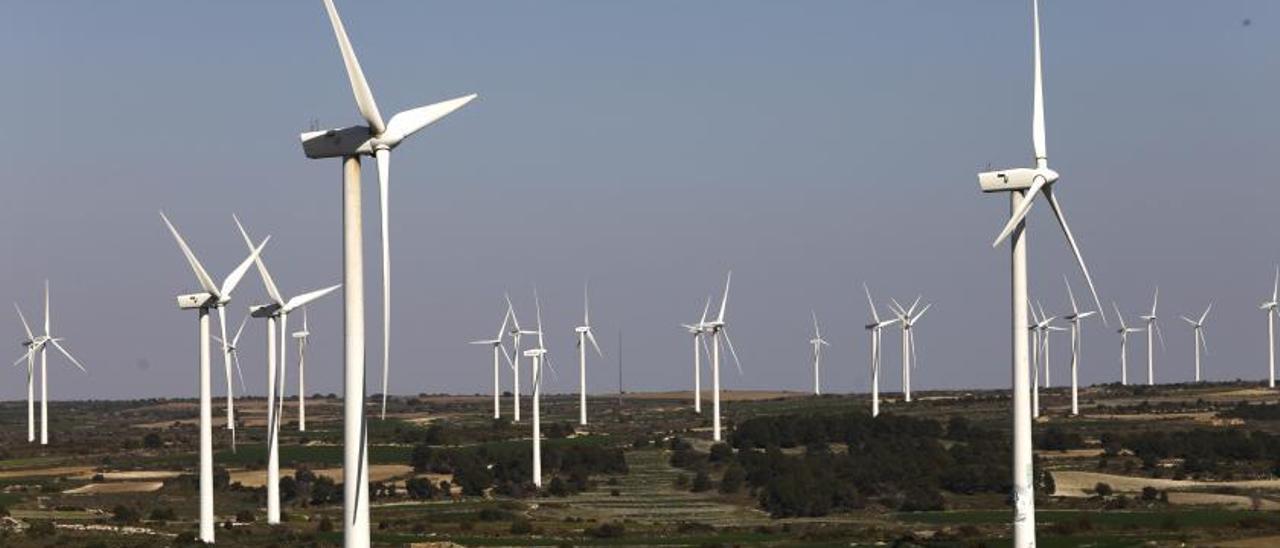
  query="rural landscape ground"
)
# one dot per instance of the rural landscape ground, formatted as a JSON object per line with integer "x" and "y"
{"x": 1171, "y": 465}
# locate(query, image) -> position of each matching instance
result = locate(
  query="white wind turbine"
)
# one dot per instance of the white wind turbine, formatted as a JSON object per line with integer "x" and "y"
{"x": 698, "y": 330}
{"x": 1024, "y": 184}
{"x": 537, "y": 356}
{"x": 584, "y": 335}
{"x": 1124, "y": 332}
{"x": 277, "y": 312}
{"x": 1153, "y": 330}
{"x": 1270, "y": 307}
{"x": 212, "y": 296}
{"x": 817, "y": 342}
{"x": 496, "y": 343}
{"x": 28, "y": 356}
{"x": 1040, "y": 347}
{"x": 515, "y": 333}
{"x": 875, "y": 328}
{"x": 1198, "y": 327}
{"x": 1048, "y": 331}
{"x": 302, "y": 337}
{"x": 377, "y": 138}
{"x": 233, "y": 350}
{"x": 1077, "y": 336}
{"x": 718, "y": 329}
{"x": 41, "y": 344}
{"x": 908, "y": 318}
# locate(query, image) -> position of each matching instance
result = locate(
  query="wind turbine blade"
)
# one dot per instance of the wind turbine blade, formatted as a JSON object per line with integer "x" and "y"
{"x": 1160, "y": 335}
{"x": 1035, "y": 320}
{"x": 1155, "y": 301}
{"x": 1075, "y": 249}
{"x": 1203, "y": 345}
{"x": 25, "y": 326}
{"x": 359, "y": 86}
{"x": 1275, "y": 289}
{"x": 46, "y": 309}
{"x": 236, "y": 340}
{"x": 272, "y": 290}
{"x": 503, "y": 329}
{"x": 729, "y": 343}
{"x": 236, "y": 275}
{"x": 1206, "y": 313}
{"x": 506, "y": 355}
{"x": 897, "y": 307}
{"x": 25, "y": 356}
{"x": 874, "y": 314}
{"x": 202, "y": 275}
{"x": 407, "y": 123}
{"x": 817, "y": 332}
{"x": 586, "y": 305}
{"x": 1188, "y": 320}
{"x": 1037, "y": 107}
{"x": 1028, "y": 199}
{"x": 1119, "y": 316}
{"x": 921, "y": 313}
{"x": 511, "y": 309}
{"x": 226, "y": 350}
{"x": 705, "y": 309}
{"x": 58, "y": 345}
{"x": 706, "y": 351}
{"x": 725, "y": 300}
{"x": 538, "y": 307}
{"x": 235, "y": 357}
{"x": 913, "y": 351}
{"x": 591, "y": 337}
{"x": 305, "y": 298}
{"x": 384, "y": 188}
{"x": 911, "y": 311}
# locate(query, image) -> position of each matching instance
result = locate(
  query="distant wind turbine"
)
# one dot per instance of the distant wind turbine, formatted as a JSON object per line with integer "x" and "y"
{"x": 817, "y": 342}
{"x": 1153, "y": 331}
{"x": 516, "y": 333}
{"x": 875, "y": 328}
{"x": 496, "y": 344}
{"x": 1270, "y": 308}
{"x": 1198, "y": 327}
{"x": 718, "y": 329}
{"x": 1124, "y": 332}
{"x": 584, "y": 335}
{"x": 908, "y": 318}
{"x": 1077, "y": 336}
{"x": 699, "y": 331}
{"x": 40, "y": 343}
{"x": 302, "y": 337}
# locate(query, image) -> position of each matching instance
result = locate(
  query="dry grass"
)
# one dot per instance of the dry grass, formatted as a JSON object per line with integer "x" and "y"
{"x": 1074, "y": 483}
{"x": 45, "y": 472}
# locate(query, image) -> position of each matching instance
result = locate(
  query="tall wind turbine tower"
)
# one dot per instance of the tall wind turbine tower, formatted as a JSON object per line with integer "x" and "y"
{"x": 536, "y": 357}
{"x": 1124, "y": 332}
{"x": 718, "y": 328}
{"x": 1024, "y": 184}
{"x": 875, "y": 328}
{"x": 1153, "y": 331}
{"x": 584, "y": 335}
{"x": 212, "y": 296}
{"x": 698, "y": 330}
{"x": 496, "y": 343}
{"x": 817, "y": 342}
{"x": 376, "y": 139}
{"x": 277, "y": 314}
{"x": 1197, "y": 326}
{"x": 1270, "y": 308}
{"x": 908, "y": 318}
{"x": 1077, "y": 340}
{"x": 302, "y": 336}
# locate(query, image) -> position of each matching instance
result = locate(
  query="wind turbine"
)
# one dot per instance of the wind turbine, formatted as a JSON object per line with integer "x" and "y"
{"x": 516, "y": 333}
{"x": 496, "y": 343}
{"x": 41, "y": 344}
{"x": 698, "y": 330}
{"x": 818, "y": 342}
{"x": 536, "y": 356}
{"x": 1124, "y": 332}
{"x": 301, "y": 337}
{"x": 377, "y": 138}
{"x": 277, "y": 312}
{"x": 233, "y": 350}
{"x": 908, "y": 318}
{"x": 1040, "y": 346}
{"x": 1077, "y": 336}
{"x": 1024, "y": 184}
{"x": 1270, "y": 308}
{"x": 718, "y": 329}
{"x": 584, "y": 335}
{"x": 875, "y": 328}
{"x": 29, "y": 357}
{"x": 212, "y": 296}
{"x": 1198, "y": 327}
{"x": 1153, "y": 330}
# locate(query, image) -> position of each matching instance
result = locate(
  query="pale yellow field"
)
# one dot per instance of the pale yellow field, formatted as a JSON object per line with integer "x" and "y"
{"x": 377, "y": 472}
{"x": 1074, "y": 483}
{"x": 116, "y": 487}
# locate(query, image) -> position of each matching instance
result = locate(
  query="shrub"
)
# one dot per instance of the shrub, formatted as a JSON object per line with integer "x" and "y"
{"x": 701, "y": 482}
{"x": 1150, "y": 493}
{"x": 521, "y": 526}
{"x": 152, "y": 441}
{"x": 720, "y": 452}
{"x": 125, "y": 514}
{"x": 326, "y": 525}
{"x": 1102, "y": 489}
{"x": 557, "y": 488}
{"x": 420, "y": 488}
{"x": 607, "y": 530}
{"x": 162, "y": 514}
{"x": 245, "y": 516}
{"x": 731, "y": 481}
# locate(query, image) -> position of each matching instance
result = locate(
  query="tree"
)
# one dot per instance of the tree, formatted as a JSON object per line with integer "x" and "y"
{"x": 720, "y": 452}
{"x": 420, "y": 488}
{"x": 125, "y": 514}
{"x": 701, "y": 482}
{"x": 1102, "y": 489}
{"x": 152, "y": 441}
{"x": 731, "y": 481}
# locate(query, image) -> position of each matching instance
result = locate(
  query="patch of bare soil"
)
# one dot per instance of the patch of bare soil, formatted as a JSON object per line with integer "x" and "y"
{"x": 116, "y": 487}
{"x": 377, "y": 472}
{"x": 1074, "y": 483}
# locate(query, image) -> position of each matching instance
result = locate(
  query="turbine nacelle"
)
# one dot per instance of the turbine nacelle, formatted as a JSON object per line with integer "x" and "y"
{"x": 198, "y": 300}
{"x": 1021, "y": 178}
{"x": 337, "y": 143}
{"x": 265, "y": 310}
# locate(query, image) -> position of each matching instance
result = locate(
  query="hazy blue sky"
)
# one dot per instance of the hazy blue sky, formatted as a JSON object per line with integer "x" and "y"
{"x": 651, "y": 146}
